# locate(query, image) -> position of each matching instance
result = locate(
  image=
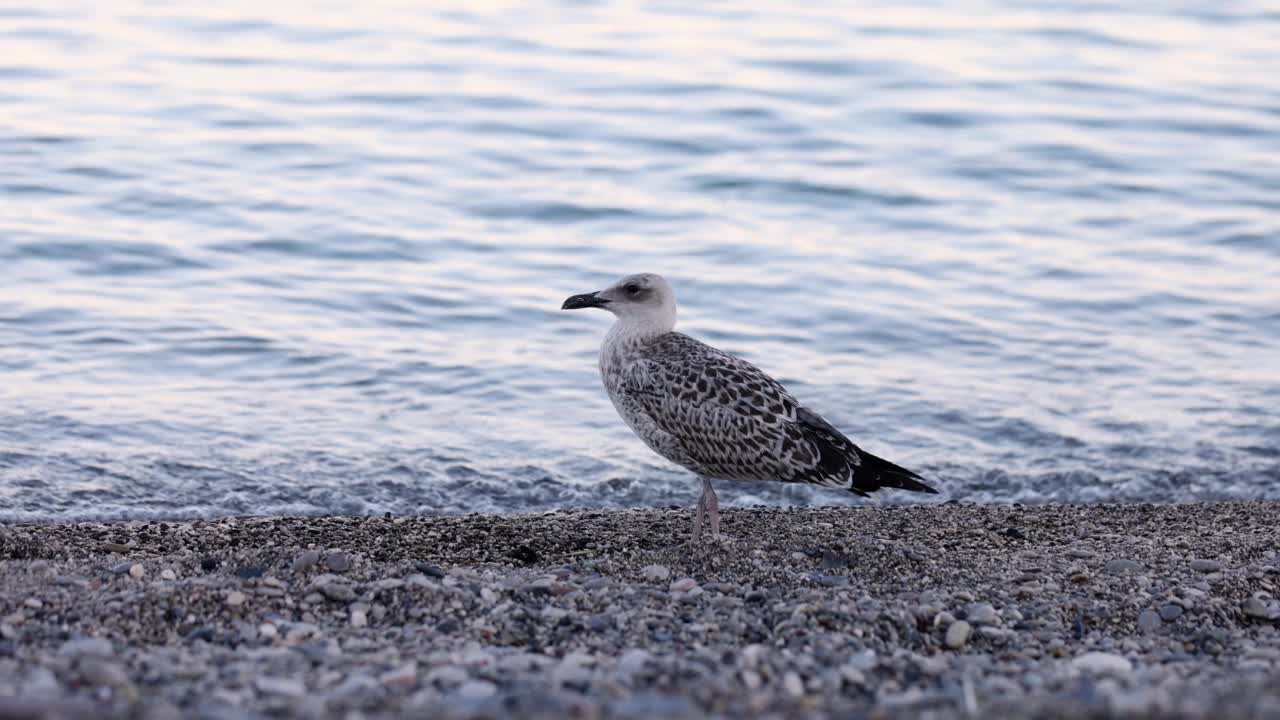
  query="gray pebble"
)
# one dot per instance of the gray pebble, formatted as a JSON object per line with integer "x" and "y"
{"x": 1170, "y": 612}
{"x": 982, "y": 614}
{"x": 633, "y": 661}
{"x": 87, "y": 646}
{"x": 1123, "y": 567}
{"x": 829, "y": 580}
{"x": 447, "y": 677}
{"x": 306, "y": 560}
{"x": 103, "y": 673}
{"x": 338, "y": 561}
{"x": 476, "y": 690}
{"x": 283, "y": 687}
{"x": 1206, "y": 566}
{"x": 1148, "y": 620}
{"x": 1256, "y": 607}
{"x": 359, "y": 692}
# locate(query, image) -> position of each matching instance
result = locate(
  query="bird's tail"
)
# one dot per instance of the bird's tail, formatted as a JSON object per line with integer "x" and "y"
{"x": 876, "y": 472}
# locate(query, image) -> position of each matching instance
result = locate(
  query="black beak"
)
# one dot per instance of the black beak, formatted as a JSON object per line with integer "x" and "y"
{"x": 586, "y": 300}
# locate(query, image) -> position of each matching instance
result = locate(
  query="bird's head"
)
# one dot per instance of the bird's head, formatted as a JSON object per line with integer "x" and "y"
{"x": 644, "y": 301}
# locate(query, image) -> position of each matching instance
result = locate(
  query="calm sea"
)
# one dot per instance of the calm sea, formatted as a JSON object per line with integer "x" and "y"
{"x": 307, "y": 257}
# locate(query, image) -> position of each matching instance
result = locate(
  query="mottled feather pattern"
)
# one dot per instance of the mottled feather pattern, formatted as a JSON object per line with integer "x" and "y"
{"x": 720, "y": 416}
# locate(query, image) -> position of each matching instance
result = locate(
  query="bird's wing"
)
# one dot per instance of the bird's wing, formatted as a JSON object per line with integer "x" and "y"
{"x": 731, "y": 419}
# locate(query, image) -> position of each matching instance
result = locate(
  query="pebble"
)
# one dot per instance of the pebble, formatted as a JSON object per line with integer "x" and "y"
{"x": 121, "y": 568}
{"x": 1148, "y": 620}
{"x": 1123, "y": 567}
{"x": 283, "y": 687}
{"x": 87, "y": 646}
{"x": 655, "y": 573}
{"x": 40, "y": 681}
{"x": 268, "y": 632}
{"x": 168, "y": 574}
{"x": 1206, "y": 566}
{"x": 235, "y": 598}
{"x": 433, "y": 571}
{"x": 358, "y": 691}
{"x": 1255, "y": 607}
{"x": 359, "y": 617}
{"x": 633, "y": 661}
{"x": 792, "y": 683}
{"x": 338, "y": 561}
{"x": 831, "y": 581}
{"x": 339, "y": 592}
{"x": 1102, "y": 663}
{"x": 476, "y": 690}
{"x": 136, "y": 571}
{"x": 684, "y": 585}
{"x": 115, "y": 547}
{"x": 401, "y": 677}
{"x": 1170, "y": 612}
{"x": 751, "y": 655}
{"x": 958, "y": 634}
{"x": 103, "y": 673}
{"x": 982, "y": 614}
{"x": 447, "y": 677}
{"x": 305, "y": 561}
{"x": 864, "y": 661}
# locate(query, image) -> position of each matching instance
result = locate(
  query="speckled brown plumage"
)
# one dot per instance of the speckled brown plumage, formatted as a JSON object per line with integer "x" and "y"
{"x": 724, "y": 418}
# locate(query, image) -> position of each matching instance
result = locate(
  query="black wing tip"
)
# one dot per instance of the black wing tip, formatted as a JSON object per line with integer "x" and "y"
{"x": 893, "y": 482}
{"x": 915, "y": 485}
{"x": 883, "y": 474}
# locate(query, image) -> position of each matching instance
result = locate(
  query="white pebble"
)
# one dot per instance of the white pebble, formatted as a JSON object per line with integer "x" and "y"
{"x": 475, "y": 690}
{"x": 284, "y": 687}
{"x": 655, "y": 573}
{"x": 235, "y": 598}
{"x": 958, "y": 634}
{"x": 1102, "y": 663}
{"x": 136, "y": 571}
{"x": 792, "y": 684}
{"x": 684, "y": 585}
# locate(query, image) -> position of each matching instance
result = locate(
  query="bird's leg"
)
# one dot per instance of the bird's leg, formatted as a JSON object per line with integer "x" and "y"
{"x": 712, "y": 504}
{"x": 697, "y": 518}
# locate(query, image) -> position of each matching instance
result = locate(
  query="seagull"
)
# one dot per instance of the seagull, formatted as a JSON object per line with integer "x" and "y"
{"x": 715, "y": 414}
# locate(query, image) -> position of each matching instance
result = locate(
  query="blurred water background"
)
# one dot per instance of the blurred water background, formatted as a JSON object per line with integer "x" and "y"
{"x": 307, "y": 257}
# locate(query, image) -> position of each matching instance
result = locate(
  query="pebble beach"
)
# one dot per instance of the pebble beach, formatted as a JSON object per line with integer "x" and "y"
{"x": 916, "y": 611}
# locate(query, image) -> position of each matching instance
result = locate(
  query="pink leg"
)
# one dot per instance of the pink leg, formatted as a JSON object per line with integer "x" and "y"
{"x": 697, "y": 518}
{"x": 713, "y": 507}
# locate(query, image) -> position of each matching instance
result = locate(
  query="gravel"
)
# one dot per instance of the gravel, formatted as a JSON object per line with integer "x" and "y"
{"x": 931, "y": 611}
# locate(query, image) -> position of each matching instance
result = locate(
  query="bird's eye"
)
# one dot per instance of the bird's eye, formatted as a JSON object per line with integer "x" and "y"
{"x": 632, "y": 288}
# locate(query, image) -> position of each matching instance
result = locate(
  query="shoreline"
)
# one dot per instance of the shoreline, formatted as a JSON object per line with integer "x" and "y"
{"x": 897, "y": 610}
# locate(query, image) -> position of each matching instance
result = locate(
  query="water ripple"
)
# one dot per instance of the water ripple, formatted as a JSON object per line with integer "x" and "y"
{"x": 263, "y": 260}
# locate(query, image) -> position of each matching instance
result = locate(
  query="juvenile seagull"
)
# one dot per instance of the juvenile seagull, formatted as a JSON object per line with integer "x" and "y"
{"x": 716, "y": 414}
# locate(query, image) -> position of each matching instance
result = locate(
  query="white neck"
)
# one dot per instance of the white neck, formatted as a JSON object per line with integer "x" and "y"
{"x": 640, "y": 328}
